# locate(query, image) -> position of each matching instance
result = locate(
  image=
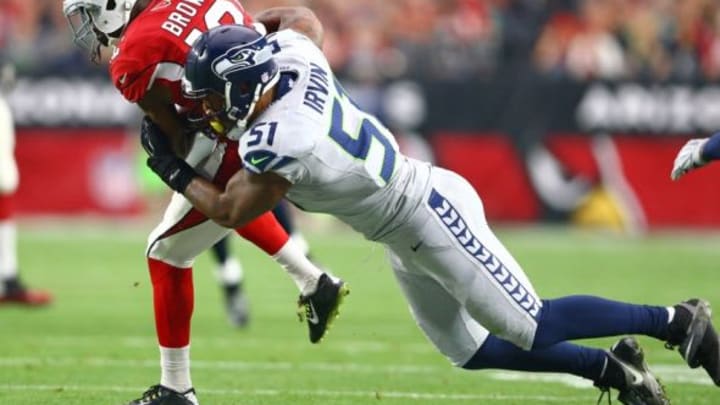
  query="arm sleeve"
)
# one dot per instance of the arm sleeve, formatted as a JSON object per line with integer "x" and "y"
{"x": 711, "y": 149}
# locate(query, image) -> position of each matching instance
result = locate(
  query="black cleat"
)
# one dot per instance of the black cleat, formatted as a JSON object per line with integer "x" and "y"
{"x": 159, "y": 395}
{"x": 321, "y": 308}
{"x": 693, "y": 333}
{"x": 237, "y": 305}
{"x": 629, "y": 372}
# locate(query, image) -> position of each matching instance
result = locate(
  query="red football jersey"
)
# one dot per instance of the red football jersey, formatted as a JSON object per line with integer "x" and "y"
{"x": 155, "y": 44}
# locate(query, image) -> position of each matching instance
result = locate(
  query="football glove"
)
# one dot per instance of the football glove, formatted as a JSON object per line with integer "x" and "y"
{"x": 171, "y": 169}
{"x": 688, "y": 158}
{"x": 153, "y": 139}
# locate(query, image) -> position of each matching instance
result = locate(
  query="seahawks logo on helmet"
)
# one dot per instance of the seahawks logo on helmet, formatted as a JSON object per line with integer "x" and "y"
{"x": 241, "y": 57}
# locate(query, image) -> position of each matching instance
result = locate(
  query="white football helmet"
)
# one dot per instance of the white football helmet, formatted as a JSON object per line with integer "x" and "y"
{"x": 97, "y": 22}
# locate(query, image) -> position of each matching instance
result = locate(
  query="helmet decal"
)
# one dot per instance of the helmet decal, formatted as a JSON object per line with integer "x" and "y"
{"x": 242, "y": 57}
{"x": 235, "y": 62}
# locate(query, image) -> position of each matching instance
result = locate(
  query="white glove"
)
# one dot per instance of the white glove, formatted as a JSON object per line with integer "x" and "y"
{"x": 688, "y": 158}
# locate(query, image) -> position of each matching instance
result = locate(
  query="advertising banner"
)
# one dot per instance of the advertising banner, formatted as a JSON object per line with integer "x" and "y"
{"x": 77, "y": 171}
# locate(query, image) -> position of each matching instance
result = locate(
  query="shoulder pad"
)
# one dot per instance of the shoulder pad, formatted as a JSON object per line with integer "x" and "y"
{"x": 274, "y": 146}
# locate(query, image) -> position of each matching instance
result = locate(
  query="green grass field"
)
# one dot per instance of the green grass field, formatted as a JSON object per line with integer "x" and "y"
{"x": 96, "y": 344}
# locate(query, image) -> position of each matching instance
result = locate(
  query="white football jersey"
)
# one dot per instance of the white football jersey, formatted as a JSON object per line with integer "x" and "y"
{"x": 340, "y": 160}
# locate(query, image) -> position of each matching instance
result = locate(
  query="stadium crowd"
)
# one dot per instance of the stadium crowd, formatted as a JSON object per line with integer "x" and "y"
{"x": 371, "y": 40}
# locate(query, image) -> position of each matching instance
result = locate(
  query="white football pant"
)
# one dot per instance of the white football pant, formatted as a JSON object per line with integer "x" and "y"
{"x": 460, "y": 281}
{"x": 184, "y": 233}
{"x": 8, "y": 168}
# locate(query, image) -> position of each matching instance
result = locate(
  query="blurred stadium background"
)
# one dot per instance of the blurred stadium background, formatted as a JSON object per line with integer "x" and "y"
{"x": 564, "y": 114}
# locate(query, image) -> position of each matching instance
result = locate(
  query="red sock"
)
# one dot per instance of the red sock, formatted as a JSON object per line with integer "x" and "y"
{"x": 173, "y": 300}
{"x": 266, "y": 233}
{"x": 6, "y": 206}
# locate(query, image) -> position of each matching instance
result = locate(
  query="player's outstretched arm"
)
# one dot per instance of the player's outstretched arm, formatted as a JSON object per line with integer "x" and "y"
{"x": 245, "y": 197}
{"x": 694, "y": 154}
{"x": 300, "y": 19}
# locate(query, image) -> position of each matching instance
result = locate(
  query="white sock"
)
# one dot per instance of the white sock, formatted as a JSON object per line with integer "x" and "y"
{"x": 8, "y": 250}
{"x": 301, "y": 270}
{"x": 175, "y": 368}
{"x": 671, "y": 313}
{"x": 230, "y": 272}
{"x": 301, "y": 242}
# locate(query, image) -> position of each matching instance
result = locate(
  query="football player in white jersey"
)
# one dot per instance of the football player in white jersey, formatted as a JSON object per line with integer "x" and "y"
{"x": 12, "y": 290}
{"x": 303, "y": 138}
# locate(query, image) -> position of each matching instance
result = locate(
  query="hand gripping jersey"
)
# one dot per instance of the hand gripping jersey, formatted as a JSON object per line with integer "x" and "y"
{"x": 340, "y": 160}
{"x": 155, "y": 44}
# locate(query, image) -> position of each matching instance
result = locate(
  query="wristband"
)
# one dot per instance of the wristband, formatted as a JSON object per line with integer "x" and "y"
{"x": 172, "y": 170}
{"x": 711, "y": 149}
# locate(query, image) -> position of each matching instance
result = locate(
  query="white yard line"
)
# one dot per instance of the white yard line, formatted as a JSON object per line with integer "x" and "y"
{"x": 8, "y": 362}
{"x": 666, "y": 373}
{"x": 669, "y": 373}
{"x": 408, "y": 395}
{"x": 348, "y": 346}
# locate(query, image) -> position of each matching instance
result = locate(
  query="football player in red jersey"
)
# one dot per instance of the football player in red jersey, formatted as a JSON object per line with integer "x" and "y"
{"x": 150, "y": 40}
{"x": 12, "y": 290}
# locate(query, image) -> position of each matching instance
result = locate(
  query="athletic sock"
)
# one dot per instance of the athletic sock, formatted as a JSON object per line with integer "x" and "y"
{"x": 578, "y": 317}
{"x": 282, "y": 213}
{"x": 303, "y": 272}
{"x": 173, "y": 302}
{"x": 8, "y": 250}
{"x": 266, "y": 233}
{"x": 220, "y": 250}
{"x": 175, "y": 368}
{"x": 302, "y": 244}
{"x": 230, "y": 272}
{"x": 560, "y": 358}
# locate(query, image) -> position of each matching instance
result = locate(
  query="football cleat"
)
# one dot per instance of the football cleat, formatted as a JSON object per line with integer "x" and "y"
{"x": 159, "y": 395}
{"x": 695, "y": 337}
{"x": 637, "y": 385}
{"x": 236, "y": 305}
{"x": 321, "y": 307}
{"x": 14, "y": 292}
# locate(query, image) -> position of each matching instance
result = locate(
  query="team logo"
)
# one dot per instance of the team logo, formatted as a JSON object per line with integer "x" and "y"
{"x": 243, "y": 58}
{"x": 239, "y": 58}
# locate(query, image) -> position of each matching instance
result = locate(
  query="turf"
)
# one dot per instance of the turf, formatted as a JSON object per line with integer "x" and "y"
{"x": 96, "y": 344}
